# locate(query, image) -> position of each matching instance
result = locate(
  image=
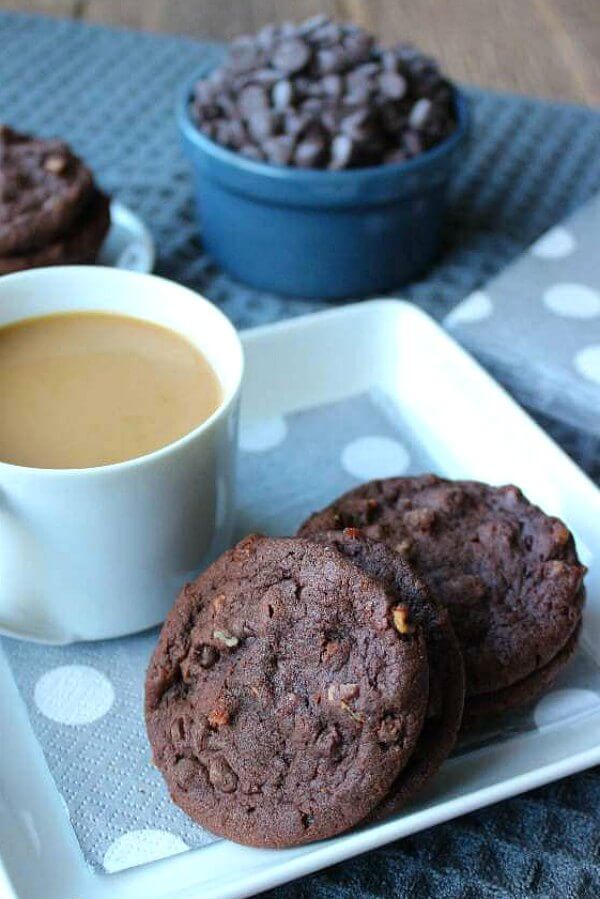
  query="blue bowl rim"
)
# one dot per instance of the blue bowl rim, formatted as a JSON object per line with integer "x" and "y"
{"x": 314, "y": 176}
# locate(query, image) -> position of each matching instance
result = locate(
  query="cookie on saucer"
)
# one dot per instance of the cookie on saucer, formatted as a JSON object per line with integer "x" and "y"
{"x": 51, "y": 212}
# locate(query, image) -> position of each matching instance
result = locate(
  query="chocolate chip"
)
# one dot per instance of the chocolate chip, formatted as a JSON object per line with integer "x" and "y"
{"x": 392, "y": 85}
{"x": 330, "y": 60}
{"x": 406, "y": 52}
{"x": 266, "y": 36}
{"x": 333, "y": 86}
{"x": 412, "y": 143}
{"x": 279, "y": 150}
{"x": 358, "y": 47}
{"x": 310, "y": 152}
{"x": 204, "y": 92}
{"x": 218, "y": 78}
{"x": 243, "y": 54}
{"x": 330, "y": 121}
{"x": 231, "y": 133}
{"x": 302, "y": 86}
{"x": 296, "y": 123}
{"x": 324, "y": 95}
{"x": 342, "y": 149}
{"x": 367, "y": 70}
{"x": 290, "y": 55}
{"x": 252, "y": 152}
{"x": 253, "y": 99}
{"x": 419, "y": 113}
{"x": 265, "y": 77}
{"x": 287, "y": 29}
{"x": 389, "y": 61}
{"x": 261, "y": 125}
{"x": 358, "y": 125}
{"x": 282, "y": 94}
{"x": 359, "y": 95}
{"x": 311, "y": 105}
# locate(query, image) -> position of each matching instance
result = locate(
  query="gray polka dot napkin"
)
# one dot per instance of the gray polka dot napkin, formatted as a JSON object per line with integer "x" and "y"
{"x": 85, "y": 701}
{"x": 537, "y": 324}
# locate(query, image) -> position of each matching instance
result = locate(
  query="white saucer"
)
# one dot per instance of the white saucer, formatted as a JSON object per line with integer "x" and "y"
{"x": 129, "y": 244}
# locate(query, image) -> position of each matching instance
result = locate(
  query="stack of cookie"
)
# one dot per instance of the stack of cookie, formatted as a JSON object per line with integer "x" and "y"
{"x": 303, "y": 685}
{"x": 51, "y": 212}
{"x": 507, "y": 573}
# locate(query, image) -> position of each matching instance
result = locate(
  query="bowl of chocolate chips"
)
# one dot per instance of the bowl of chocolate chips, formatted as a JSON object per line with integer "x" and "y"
{"x": 321, "y": 159}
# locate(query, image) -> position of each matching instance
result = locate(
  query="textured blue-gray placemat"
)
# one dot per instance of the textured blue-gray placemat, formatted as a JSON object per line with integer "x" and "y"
{"x": 529, "y": 164}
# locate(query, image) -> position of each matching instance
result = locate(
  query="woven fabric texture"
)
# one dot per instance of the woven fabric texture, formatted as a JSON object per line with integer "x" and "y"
{"x": 529, "y": 164}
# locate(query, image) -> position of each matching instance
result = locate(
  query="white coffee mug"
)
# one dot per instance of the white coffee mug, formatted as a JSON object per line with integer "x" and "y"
{"x": 101, "y": 552}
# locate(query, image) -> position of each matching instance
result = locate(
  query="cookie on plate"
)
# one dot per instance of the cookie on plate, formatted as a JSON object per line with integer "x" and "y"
{"x": 282, "y": 700}
{"x": 78, "y": 246}
{"x": 508, "y": 574}
{"x": 486, "y": 707}
{"x": 50, "y": 209}
{"x": 446, "y": 670}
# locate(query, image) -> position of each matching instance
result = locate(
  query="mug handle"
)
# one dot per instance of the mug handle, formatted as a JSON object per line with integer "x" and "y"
{"x": 23, "y": 611}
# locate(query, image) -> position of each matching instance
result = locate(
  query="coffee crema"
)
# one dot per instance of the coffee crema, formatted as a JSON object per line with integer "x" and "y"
{"x": 84, "y": 389}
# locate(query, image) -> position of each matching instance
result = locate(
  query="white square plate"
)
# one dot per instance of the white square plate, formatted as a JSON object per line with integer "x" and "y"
{"x": 470, "y": 428}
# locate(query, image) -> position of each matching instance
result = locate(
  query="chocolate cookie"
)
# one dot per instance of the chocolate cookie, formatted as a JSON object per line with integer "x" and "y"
{"x": 282, "y": 700}
{"x": 508, "y": 573}
{"x": 44, "y": 188}
{"x": 79, "y": 245}
{"x": 446, "y": 672}
{"x": 482, "y": 709}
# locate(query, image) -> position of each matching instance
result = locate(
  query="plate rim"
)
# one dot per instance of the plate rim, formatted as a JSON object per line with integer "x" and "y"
{"x": 123, "y": 215}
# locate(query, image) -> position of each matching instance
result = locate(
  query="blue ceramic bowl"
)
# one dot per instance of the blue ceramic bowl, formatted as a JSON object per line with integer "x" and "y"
{"x": 320, "y": 234}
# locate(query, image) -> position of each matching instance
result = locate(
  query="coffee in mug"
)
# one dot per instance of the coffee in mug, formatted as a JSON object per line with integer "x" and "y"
{"x": 86, "y": 389}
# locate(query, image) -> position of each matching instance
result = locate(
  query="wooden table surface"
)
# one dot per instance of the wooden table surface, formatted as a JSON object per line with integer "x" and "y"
{"x": 548, "y": 48}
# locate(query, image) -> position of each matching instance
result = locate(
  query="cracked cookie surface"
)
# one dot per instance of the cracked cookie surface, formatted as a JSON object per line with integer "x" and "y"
{"x": 282, "y": 700}
{"x": 508, "y": 573}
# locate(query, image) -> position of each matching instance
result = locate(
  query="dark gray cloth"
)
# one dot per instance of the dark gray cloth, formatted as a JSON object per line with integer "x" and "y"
{"x": 529, "y": 164}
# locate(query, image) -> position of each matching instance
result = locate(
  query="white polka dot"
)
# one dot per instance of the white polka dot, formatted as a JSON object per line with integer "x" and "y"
{"x": 587, "y": 363}
{"x": 477, "y": 307}
{"x": 375, "y": 457}
{"x": 138, "y": 847}
{"x": 556, "y": 244}
{"x": 564, "y": 704}
{"x": 74, "y": 694}
{"x": 263, "y": 435}
{"x": 573, "y": 300}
